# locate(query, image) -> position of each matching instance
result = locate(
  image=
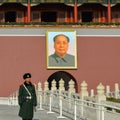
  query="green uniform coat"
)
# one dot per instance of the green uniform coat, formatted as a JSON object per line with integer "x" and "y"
{"x": 27, "y": 105}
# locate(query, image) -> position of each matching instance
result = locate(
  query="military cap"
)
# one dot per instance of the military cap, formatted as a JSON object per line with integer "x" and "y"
{"x": 27, "y": 75}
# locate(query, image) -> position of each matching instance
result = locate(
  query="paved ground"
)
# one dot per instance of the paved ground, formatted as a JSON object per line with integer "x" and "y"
{"x": 11, "y": 113}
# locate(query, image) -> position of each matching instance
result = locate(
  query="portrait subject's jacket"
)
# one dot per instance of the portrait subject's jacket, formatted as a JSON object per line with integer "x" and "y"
{"x": 67, "y": 60}
{"x": 27, "y": 101}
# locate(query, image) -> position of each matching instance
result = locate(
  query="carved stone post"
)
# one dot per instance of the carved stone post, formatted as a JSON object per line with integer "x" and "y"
{"x": 92, "y": 93}
{"x": 61, "y": 85}
{"x": 40, "y": 95}
{"x": 99, "y": 98}
{"x": 83, "y": 93}
{"x": 46, "y": 88}
{"x": 71, "y": 86}
{"x": 108, "y": 91}
{"x": 116, "y": 90}
{"x": 53, "y": 85}
{"x": 71, "y": 90}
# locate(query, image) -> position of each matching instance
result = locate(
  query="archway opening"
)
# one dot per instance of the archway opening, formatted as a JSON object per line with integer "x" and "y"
{"x": 57, "y": 76}
{"x": 10, "y": 17}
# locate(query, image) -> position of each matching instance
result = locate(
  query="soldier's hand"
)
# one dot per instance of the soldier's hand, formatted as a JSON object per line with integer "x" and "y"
{"x": 28, "y": 97}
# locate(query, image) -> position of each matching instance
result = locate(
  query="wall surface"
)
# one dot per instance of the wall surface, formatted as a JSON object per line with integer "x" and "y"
{"x": 98, "y": 61}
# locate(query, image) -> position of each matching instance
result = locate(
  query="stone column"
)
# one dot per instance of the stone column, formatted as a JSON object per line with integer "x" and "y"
{"x": 116, "y": 90}
{"x": 53, "y": 85}
{"x": 70, "y": 91}
{"x": 39, "y": 91}
{"x": 39, "y": 86}
{"x": 108, "y": 91}
{"x": 92, "y": 93}
{"x": 46, "y": 88}
{"x": 61, "y": 85}
{"x": 99, "y": 98}
{"x": 71, "y": 86}
{"x": 83, "y": 93}
{"x": 40, "y": 96}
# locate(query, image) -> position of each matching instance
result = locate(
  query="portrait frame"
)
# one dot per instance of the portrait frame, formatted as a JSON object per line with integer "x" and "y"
{"x": 72, "y": 49}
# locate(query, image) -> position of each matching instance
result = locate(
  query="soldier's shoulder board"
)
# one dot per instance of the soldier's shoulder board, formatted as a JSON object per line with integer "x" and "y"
{"x": 21, "y": 85}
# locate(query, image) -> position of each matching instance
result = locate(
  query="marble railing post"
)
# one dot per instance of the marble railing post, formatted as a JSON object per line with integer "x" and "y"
{"x": 71, "y": 86}
{"x": 40, "y": 96}
{"x": 46, "y": 88}
{"x": 92, "y": 93}
{"x": 61, "y": 85}
{"x": 99, "y": 98}
{"x": 116, "y": 90}
{"x": 108, "y": 91}
{"x": 53, "y": 85}
{"x": 83, "y": 93}
{"x": 61, "y": 88}
{"x": 70, "y": 91}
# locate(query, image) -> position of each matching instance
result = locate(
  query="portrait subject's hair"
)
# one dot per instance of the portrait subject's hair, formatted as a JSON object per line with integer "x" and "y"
{"x": 61, "y": 35}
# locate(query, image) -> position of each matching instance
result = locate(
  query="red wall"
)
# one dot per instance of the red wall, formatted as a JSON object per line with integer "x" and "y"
{"x": 98, "y": 61}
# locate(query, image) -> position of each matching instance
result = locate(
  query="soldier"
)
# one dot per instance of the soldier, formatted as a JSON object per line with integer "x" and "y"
{"x": 27, "y": 98}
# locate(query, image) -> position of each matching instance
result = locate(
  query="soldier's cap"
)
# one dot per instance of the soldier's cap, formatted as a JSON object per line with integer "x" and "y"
{"x": 27, "y": 75}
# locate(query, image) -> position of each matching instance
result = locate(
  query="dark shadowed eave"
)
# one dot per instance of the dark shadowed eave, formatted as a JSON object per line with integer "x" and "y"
{"x": 53, "y": 1}
{"x": 98, "y": 1}
{"x": 14, "y": 1}
{"x": 60, "y": 1}
{"x": 37, "y": 1}
{"x": 67, "y": 2}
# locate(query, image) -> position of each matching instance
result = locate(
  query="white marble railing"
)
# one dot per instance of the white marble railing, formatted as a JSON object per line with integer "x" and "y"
{"x": 78, "y": 106}
{"x": 73, "y": 106}
{"x": 4, "y": 100}
{"x": 115, "y": 93}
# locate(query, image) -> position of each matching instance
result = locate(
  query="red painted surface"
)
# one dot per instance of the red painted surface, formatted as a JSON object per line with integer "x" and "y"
{"x": 103, "y": 18}
{"x": 98, "y": 61}
{"x": 75, "y": 13}
{"x": 109, "y": 12}
{"x": 28, "y": 12}
{"x": 20, "y": 55}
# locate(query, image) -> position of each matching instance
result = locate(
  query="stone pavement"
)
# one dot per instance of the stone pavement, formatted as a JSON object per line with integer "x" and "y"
{"x": 11, "y": 113}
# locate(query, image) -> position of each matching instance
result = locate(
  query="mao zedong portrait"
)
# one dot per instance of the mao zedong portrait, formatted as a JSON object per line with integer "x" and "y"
{"x": 60, "y": 57}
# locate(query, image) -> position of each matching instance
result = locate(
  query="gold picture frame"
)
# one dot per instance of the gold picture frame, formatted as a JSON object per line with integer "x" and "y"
{"x": 69, "y": 61}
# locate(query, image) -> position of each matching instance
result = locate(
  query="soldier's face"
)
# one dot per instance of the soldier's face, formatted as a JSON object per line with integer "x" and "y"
{"x": 27, "y": 79}
{"x": 61, "y": 46}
